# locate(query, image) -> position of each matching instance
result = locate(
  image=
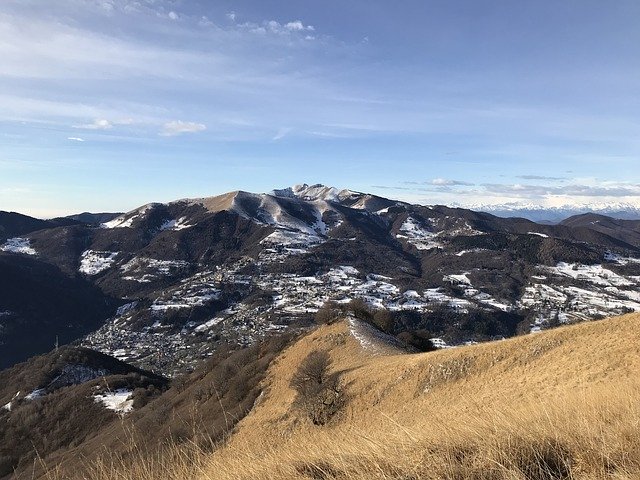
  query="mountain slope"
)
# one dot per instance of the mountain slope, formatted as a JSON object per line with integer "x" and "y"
{"x": 344, "y": 403}
{"x": 40, "y": 306}
{"x": 553, "y": 405}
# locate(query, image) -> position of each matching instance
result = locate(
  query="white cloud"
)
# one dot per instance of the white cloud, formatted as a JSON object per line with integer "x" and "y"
{"x": 173, "y": 15}
{"x": 298, "y": 26}
{"x": 98, "y": 124}
{"x": 178, "y": 127}
{"x": 273, "y": 26}
{"x": 75, "y": 139}
{"x": 231, "y": 16}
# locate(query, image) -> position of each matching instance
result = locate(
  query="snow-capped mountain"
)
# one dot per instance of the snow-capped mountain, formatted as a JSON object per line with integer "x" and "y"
{"x": 539, "y": 213}
{"x": 177, "y": 280}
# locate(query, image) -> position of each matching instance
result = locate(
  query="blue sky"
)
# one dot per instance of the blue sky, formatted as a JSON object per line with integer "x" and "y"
{"x": 109, "y": 104}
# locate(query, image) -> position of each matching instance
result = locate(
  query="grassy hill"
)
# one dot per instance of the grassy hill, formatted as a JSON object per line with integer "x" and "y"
{"x": 342, "y": 403}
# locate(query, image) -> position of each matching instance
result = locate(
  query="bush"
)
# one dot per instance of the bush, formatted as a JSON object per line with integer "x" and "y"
{"x": 360, "y": 310}
{"x": 319, "y": 394}
{"x": 329, "y": 313}
{"x": 383, "y": 320}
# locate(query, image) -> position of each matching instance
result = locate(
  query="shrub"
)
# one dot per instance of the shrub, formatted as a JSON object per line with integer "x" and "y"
{"x": 329, "y": 313}
{"x": 319, "y": 393}
{"x": 383, "y": 320}
{"x": 360, "y": 310}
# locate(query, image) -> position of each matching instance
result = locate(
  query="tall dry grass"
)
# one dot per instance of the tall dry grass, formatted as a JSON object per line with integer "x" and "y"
{"x": 564, "y": 404}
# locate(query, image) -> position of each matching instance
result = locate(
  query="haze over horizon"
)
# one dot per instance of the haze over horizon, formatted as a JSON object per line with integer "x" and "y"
{"x": 110, "y": 104}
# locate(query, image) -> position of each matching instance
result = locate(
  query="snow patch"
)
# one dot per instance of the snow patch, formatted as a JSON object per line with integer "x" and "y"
{"x": 37, "y": 393}
{"x": 126, "y": 221}
{"x": 417, "y": 236}
{"x": 596, "y": 274}
{"x": 179, "y": 224}
{"x": 18, "y": 245}
{"x": 145, "y": 270}
{"x": 120, "y": 401}
{"x": 371, "y": 339}
{"x": 461, "y": 278}
{"x": 93, "y": 262}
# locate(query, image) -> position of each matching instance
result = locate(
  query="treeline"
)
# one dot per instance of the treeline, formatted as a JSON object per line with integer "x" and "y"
{"x": 417, "y": 328}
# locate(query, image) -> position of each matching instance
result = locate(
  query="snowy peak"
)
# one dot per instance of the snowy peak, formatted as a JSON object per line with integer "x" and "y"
{"x": 540, "y": 213}
{"x": 321, "y": 192}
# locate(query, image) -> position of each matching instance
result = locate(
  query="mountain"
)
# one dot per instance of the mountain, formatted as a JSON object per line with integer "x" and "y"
{"x": 176, "y": 281}
{"x": 553, "y": 215}
{"x": 14, "y": 224}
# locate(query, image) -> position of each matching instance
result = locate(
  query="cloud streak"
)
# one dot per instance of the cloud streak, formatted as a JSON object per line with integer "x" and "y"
{"x": 178, "y": 127}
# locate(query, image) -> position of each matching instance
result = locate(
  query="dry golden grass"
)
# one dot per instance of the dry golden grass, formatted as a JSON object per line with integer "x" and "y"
{"x": 560, "y": 404}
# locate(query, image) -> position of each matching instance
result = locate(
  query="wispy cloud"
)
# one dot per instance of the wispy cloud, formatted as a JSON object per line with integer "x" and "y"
{"x": 282, "y": 132}
{"x": 178, "y": 127}
{"x": 540, "y": 177}
{"x": 466, "y": 194}
{"x": 97, "y": 124}
{"x": 75, "y": 139}
{"x": 446, "y": 182}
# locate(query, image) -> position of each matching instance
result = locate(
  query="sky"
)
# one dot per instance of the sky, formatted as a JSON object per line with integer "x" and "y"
{"x": 106, "y": 105}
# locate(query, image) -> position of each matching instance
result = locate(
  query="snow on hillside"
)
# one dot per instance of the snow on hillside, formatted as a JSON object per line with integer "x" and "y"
{"x": 175, "y": 224}
{"x": 18, "y": 245}
{"x": 418, "y": 236}
{"x": 593, "y": 292}
{"x": 195, "y": 291}
{"x": 93, "y": 262}
{"x": 145, "y": 270}
{"x": 619, "y": 259}
{"x": 596, "y": 274}
{"x": 373, "y": 340}
{"x": 126, "y": 220}
{"x": 120, "y": 401}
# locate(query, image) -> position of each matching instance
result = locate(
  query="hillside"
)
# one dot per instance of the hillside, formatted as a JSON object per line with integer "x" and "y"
{"x": 558, "y": 404}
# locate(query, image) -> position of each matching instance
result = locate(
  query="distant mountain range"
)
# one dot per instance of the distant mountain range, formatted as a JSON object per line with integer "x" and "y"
{"x": 166, "y": 284}
{"x": 542, "y": 214}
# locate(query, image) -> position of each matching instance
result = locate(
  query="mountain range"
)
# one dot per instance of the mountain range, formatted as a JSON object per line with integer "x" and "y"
{"x": 166, "y": 284}
{"x": 553, "y": 215}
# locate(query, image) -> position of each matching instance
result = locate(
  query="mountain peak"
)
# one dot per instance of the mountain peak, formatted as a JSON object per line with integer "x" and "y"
{"x": 316, "y": 191}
